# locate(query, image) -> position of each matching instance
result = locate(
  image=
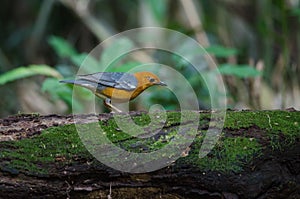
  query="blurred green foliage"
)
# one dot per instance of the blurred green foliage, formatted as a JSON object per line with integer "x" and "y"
{"x": 23, "y": 72}
{"x": 241, "y": 71}
{"x": 238, "y": 34}
{"x": 221, "y": 51}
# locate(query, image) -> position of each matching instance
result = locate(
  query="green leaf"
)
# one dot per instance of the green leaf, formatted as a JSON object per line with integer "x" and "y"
{"x": 55, "y": 88}
{"x": 62, "y": 47}
{"x": 31, "y": 70}
{"x": 115, "y": 51}
{"x": 241, "y": 71}
{"x": 220, "y": 51}
{"x": 78, "y": 59}
{"x": 91, "y": 65}
{"x": 61, "y": 91}
{"x": 124, "y": 68}
{"x": 158, "y": 8}
{"x": 296, "y": 12}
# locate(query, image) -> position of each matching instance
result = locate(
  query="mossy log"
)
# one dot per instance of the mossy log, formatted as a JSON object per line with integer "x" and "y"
{"x": 256, "y": 156}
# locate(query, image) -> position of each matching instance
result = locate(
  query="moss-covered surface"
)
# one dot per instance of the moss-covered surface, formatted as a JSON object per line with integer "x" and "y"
{"x": 246, "y": 135}
{"x": 58, "y": 145}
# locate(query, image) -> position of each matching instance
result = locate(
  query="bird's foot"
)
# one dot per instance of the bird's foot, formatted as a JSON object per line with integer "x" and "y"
{"x": 107, "y": 103}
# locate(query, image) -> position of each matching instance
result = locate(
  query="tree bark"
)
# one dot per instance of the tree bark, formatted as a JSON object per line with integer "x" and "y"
{"x": 273, "y": 172}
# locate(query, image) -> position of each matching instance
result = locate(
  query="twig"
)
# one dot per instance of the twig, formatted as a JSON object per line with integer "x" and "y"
{"x": 81, "y": 8}
{"x": 196, "y": 24}
{"x": 4, "y": 61}
{"x": 195, "y": 21}
{"x": 39, "y": 27}
{"x": 269, "y": 121}
{"x": 109, "y": 195}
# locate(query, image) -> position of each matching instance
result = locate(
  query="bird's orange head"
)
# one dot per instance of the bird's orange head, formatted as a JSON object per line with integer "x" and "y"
{"x": 147, "y": 79}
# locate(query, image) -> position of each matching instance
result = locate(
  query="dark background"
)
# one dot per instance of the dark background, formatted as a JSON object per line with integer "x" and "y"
{"x": 261, "y": 34}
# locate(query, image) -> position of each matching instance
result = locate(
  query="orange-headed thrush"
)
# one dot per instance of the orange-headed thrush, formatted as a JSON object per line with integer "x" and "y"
{"x": 119, "y": 86}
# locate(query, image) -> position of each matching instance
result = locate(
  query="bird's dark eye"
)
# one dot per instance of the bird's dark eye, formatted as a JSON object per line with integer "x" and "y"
{"x": 151, "y": 80}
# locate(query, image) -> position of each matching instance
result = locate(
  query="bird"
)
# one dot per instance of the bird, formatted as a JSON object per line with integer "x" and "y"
{"x": 119, "y": 86}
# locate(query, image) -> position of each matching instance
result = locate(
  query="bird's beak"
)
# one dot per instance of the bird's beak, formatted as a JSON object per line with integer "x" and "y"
{"x": 161, "y": 84}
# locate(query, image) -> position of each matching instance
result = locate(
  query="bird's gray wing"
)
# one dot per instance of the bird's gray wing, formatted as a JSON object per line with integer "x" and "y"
{"x": 119, "y": 80}
{"x": 84, "y": 83}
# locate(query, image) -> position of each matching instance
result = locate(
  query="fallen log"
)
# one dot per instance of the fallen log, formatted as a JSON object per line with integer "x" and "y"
{"x": 257, "y": 155}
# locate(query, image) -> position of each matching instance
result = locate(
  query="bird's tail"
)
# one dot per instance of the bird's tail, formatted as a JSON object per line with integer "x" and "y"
{"x": 81, "y": 82}
{"x": 71, "y": 81}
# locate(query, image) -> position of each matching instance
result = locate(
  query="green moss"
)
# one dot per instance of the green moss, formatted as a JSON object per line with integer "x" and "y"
{"x": 229, "y": 154}
{"x": 142, "y": 120}
{"x": 274, "y": 123}
{"x": 59, "y": 146}
{"x": 284, "y": 121}
{"x": 36, "y": 155}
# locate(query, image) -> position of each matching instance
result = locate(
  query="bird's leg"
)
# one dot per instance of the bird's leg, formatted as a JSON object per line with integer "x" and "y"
{"x": 107, "y": 103}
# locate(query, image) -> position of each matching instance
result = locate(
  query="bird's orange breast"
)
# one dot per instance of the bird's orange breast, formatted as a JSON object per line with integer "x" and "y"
{"x": 118, "y": 94}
